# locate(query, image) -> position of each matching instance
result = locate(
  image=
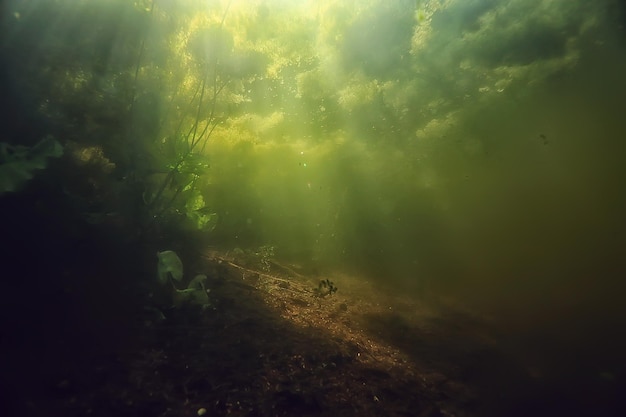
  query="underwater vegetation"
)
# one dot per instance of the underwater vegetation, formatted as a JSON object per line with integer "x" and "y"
{"x": 170, "y": 269}
{"x": 19, "y": 164}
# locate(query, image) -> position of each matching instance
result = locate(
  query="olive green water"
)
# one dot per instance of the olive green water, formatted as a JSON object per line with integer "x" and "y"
{"x": 464, "y": 149}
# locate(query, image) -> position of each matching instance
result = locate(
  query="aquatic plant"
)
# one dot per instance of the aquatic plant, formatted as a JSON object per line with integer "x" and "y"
{"x": 170, "y": 267}
{"x": 18, "y": 164}
{"x": 325, "y": 287}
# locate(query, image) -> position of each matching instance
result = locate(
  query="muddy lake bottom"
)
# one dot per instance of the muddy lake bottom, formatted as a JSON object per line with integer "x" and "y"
{"x": 276, "y": 342}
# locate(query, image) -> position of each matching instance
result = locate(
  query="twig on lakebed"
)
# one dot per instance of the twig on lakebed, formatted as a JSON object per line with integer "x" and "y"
{"x": 259, "y": 273}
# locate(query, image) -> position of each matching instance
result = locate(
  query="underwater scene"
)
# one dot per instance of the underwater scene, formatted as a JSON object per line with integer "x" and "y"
{"x": 272, "y": 208}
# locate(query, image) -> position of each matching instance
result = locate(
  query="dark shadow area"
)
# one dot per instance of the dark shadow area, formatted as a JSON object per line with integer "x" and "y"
{"x": 65, "y": 299}
{"x": 511, "y": 371}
